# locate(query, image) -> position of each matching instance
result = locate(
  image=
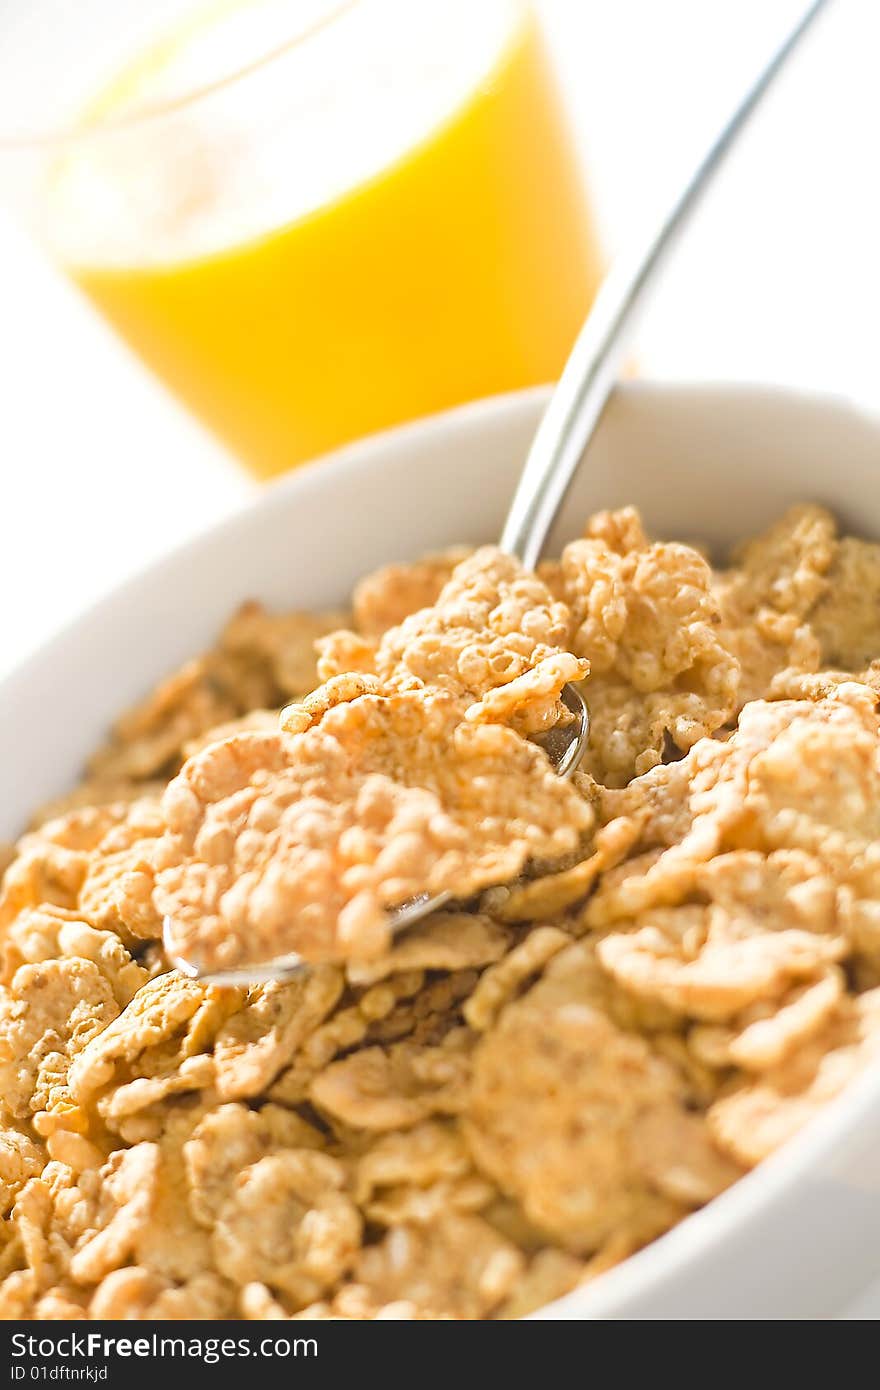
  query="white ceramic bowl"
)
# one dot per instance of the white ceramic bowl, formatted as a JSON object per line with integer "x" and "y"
{"x": 800, "y": 1237}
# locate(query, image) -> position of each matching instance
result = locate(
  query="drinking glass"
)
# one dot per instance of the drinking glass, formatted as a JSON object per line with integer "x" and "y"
{"x": 312, "y": 218}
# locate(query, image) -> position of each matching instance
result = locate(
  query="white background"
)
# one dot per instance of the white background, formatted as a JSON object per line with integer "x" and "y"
{"x": 777, "y": 281}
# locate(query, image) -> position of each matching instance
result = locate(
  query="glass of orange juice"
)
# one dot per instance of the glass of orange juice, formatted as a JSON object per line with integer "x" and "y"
{"x": 313, "y": 218}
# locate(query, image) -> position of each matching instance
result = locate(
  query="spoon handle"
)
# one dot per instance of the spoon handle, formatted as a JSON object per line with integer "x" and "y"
{"x": 591, "y": 370}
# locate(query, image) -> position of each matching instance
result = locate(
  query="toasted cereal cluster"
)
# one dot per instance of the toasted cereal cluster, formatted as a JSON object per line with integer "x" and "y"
{"x": 648, "y": 980}
{"x": 277, "y": 841}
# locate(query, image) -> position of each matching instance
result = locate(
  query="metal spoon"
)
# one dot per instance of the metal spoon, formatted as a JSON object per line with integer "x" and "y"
{"x": 562, "y": 436}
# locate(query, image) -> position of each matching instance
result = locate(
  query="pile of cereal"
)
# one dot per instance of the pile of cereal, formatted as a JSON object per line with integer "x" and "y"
{"x": 478, "y": 1116}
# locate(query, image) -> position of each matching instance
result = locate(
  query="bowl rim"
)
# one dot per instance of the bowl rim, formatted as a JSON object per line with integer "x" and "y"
{"x": 358, "y": 454}
{"x": 331, "y": 467}
{"x": 750, "y": 1197}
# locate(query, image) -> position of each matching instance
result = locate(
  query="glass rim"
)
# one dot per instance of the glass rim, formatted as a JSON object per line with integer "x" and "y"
{"x": 49, "y": 139}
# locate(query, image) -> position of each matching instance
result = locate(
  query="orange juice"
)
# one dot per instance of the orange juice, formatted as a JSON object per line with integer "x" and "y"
{"x": 307, "y": 304}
